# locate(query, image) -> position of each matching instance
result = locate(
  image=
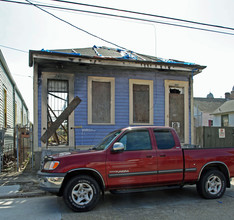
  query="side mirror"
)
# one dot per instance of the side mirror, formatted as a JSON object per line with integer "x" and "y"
{"x": 118, "y": 147}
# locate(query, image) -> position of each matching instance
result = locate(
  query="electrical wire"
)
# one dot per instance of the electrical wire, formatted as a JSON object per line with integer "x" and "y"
{"x": 145, "y": 14}
{"x": 23, "y": 51}
{"x": 113, "y": 15}
{"x": 93, "y": 35}
{"x": 20, "y": 75}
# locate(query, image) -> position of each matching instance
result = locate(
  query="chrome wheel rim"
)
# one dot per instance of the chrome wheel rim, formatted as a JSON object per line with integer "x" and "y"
{"x": 214, "y": 185}
{"x": 82, "y": 193}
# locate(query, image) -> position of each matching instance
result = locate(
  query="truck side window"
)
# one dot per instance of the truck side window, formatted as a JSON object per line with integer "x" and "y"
{"x": 164, "y": 139}
{"x": 136, "y": 140}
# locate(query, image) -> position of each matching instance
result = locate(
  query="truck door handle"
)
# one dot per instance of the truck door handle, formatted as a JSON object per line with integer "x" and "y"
{"x": 149, "y": 156}
{"x": 162, "y": 155}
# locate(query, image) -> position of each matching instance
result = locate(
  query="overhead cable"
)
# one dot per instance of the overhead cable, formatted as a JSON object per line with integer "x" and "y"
{"x": 145, "y": 14}
{"x": 93, "y": 35}
{"x": 113, "y": 15}
{"x": 23, "y": 51}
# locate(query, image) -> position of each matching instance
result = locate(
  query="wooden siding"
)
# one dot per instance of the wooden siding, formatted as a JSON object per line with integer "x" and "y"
{"x": 7, "y": 85}
{"x": 21, "y": 112}
{"x": 91, "y": 134}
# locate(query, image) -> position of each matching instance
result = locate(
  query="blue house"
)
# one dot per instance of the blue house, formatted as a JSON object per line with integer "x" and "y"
{"x": 118, "y": 88}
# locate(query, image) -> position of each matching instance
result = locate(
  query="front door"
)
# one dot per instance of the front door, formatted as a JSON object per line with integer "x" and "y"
{"x": 57, "y": 101}
{"x": 177, "y": 108}
{"x": 136, "y": 165}
{"x": 176, "y": 111}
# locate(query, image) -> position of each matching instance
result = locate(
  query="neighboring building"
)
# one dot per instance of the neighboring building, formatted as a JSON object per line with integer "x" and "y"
{"x": 203, "y": 109}
{"x": 118, "y": 88}
{"x": 224, "y": 115}
{"x": 13, "y": 109}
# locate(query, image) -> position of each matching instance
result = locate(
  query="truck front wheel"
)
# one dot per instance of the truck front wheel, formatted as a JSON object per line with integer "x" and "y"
{"x": 212, "y": 184}
{"x": 81, "y": 193}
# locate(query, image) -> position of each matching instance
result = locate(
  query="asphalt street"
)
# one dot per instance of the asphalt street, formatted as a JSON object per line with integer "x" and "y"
{"x": 167, "y": 204}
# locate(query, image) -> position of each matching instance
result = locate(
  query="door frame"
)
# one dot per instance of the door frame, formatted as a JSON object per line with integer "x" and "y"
{"x": 60, "y": 76}
{"x": 185, "y": 86}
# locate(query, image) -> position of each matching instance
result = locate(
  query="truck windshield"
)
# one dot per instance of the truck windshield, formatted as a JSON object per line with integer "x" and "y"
{"x": 106, "y": 141}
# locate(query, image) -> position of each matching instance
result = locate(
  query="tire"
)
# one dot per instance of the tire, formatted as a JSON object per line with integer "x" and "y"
{"x": 212, "y": 184}
{"x": 81, "y": 193}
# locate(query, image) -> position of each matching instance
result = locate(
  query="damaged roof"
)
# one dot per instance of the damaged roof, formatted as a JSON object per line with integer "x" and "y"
{"x": 105, "y": 53}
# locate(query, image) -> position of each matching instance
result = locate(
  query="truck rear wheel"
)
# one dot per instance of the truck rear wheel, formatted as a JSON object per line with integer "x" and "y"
{"x": 82, "y": 193}
{"x": 212, "y": 184}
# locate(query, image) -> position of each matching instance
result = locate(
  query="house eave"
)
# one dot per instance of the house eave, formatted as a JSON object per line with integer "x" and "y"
{"x": 222, "y": 113}
{"x": 37, "y": 56}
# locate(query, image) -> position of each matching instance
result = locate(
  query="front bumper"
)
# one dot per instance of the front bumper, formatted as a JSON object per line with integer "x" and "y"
{"x": 51, "y": 182}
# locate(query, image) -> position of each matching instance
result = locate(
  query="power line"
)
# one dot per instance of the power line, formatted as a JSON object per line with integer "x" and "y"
{"x": 145, "y": 14}
{"x": 117, "y": 16}
{"x": 93, "y": 35}
{"x": 23, "y": 51}
{"x": 23, "y": 75}
{"x": 112, "y": 15}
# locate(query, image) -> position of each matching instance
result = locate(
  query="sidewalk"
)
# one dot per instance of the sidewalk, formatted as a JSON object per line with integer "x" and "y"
{"x": 20, "y": 184}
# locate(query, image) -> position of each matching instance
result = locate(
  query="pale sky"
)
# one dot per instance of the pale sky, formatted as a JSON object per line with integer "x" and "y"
{"x": 27, "y": 28}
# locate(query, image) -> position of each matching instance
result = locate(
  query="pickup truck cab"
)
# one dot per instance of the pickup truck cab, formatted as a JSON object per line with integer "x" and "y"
{"x": 135, "y": 157}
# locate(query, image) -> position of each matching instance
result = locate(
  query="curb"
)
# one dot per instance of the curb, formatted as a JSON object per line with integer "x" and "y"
{"x": 25, "y": 195}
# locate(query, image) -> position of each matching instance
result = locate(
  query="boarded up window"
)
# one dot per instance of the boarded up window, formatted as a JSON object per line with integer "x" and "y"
{"x": 101, "y": 102}
{"x": 141, "y": 103}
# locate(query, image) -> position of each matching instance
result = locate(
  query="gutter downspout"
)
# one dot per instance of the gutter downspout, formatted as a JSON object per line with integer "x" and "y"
{"x": 191, "y": 118}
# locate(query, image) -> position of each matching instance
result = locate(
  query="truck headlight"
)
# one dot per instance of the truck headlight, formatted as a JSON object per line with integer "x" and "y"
{"x": 51, "y": 165}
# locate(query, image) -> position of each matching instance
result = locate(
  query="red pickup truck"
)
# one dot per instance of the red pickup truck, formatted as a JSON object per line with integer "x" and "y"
{"x": 135, "y": 157}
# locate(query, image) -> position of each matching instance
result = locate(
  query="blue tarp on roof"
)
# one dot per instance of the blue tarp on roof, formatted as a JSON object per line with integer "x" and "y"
{"x": 124, "y": 54}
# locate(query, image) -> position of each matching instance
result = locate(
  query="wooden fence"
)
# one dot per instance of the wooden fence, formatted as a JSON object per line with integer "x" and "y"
{"x": 214, "y": 137}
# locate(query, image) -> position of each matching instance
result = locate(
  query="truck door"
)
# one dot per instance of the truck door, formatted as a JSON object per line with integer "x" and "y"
{"x": 169, "y": 158}
{"x": 136, "y": 165}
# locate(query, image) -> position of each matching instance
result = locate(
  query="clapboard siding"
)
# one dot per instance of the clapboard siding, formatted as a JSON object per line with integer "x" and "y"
{"x": 91, "y": 134}
{"x": 14, "y": 99}
{"x": 9, "y": 132}
{"x": 20, "y": 111}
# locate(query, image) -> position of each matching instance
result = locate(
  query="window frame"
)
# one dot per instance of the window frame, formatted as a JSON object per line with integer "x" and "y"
{"x": 150, "y": 83}
{"x": 111, "y": 80}
{"x": 222, "y": 120}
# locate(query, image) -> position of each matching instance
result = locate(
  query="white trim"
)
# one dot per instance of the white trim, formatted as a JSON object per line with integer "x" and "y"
{"x": 112, "y": 110}
{"x": 62, "y": 76}
{"x": 151, "y": 105}
{"x": 184, "y": 85}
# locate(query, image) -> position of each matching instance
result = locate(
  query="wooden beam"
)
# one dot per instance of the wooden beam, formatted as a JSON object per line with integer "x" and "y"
{"x": 55, "y": 125}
